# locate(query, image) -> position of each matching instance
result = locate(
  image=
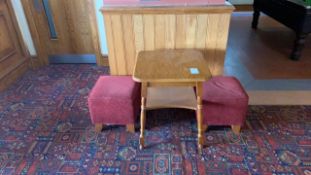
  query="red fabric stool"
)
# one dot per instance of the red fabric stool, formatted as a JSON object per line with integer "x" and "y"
{"x": 114, "y": 100}
{"x": 225, "y": 102}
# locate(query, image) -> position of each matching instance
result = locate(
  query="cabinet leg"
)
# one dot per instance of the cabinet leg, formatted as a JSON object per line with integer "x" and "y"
{"x": 298, "y": 46}
{"x": 255, "y": 19}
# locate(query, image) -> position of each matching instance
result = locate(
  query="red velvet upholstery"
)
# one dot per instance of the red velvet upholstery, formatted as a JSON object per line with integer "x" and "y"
{"x": 225, "y": 101}
{"x": 114, "y": 100}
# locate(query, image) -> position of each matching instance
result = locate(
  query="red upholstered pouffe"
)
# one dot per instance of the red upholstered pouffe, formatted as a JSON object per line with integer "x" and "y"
{"x": 114, "y": 100}
{"x": 225, "y": 102}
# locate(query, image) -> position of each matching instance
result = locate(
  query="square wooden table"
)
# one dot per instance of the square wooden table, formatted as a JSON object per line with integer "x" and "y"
{"x": 168, "y": 78}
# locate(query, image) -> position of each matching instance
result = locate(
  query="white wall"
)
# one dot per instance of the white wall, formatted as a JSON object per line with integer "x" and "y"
{"x": 22, "y": 22}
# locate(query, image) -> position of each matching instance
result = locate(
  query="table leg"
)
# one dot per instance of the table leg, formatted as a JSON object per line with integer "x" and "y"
{"x": 200, "y": 117}
{"x": 255, "y": 19}
{"x": 299, "y": 44}
{"x": 143, "y": 115}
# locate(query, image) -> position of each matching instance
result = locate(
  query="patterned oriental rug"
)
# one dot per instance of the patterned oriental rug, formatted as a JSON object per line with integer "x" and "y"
{"x": 45, "y": 129}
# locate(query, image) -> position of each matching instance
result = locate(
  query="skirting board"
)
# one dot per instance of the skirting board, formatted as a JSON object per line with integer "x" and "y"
{"x": 64, "y": 59}
{"x": 279, "y": 97}
{"x": 241, "y": 2}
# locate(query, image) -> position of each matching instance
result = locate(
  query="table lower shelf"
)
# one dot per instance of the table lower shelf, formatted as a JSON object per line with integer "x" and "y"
{"x": 171, "y": 97}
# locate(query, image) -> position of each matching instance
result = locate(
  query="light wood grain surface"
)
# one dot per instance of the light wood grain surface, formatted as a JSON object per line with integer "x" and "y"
{"x": 129, "y": 33}
{"x": 171, "y": 97}
{"x": 172, "y": 66}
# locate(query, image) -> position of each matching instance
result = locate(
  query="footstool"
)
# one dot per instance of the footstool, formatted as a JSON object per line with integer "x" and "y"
{"x": 114, "y": 100}
{"x": 225, "y": 102}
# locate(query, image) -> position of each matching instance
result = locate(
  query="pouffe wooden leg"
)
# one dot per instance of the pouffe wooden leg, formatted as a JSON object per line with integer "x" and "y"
{"x": 98, "y": 128}
{"x": 130, "y": 128}
{"x": 236, "y": 129}
{"x": 204, "y": 128}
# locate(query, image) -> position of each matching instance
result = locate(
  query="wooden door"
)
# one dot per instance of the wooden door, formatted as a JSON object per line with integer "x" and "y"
{"x": 13, "y": 59}
{"x": 63, "y": 27}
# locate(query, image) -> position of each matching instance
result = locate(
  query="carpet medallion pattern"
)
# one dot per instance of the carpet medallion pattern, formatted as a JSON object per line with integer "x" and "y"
{"x": 45, "y": 129}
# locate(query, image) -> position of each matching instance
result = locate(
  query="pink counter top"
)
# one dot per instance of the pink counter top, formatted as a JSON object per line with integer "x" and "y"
{"x": 161, "y": 3}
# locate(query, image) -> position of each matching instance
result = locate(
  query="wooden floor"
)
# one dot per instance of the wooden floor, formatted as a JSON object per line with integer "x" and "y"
{"x": 265, "y": 51}
{"x": 260, "y": 60}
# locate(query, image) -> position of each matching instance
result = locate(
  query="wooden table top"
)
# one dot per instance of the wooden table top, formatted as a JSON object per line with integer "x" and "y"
{"x": 171, "y": 66}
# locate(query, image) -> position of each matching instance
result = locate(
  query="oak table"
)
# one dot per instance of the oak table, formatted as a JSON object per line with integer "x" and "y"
{"x": 168, "y": 78}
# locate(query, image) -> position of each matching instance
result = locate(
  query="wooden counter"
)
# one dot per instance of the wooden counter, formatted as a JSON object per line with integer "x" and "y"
{"x": 131, "y": 28}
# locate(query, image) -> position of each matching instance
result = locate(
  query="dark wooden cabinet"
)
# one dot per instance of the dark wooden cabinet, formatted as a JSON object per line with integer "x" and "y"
{"x": 294, "y": 14}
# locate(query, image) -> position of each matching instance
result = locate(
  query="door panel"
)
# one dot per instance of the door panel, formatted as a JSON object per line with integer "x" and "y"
{"x": 9, "y": 42}
{"x": 13, "y": 61}
{"x": 6, "y": 48}
{"x": 75, "y": 30}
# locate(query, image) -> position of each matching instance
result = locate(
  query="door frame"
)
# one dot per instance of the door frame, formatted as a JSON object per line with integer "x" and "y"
{"x": 21, "y": 67}
{"x": 17, "y": 29}
{"x": 41, "y": 59}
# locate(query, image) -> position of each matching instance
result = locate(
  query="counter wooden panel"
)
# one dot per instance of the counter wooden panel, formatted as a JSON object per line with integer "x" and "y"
{"x": 130, "y": 30}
